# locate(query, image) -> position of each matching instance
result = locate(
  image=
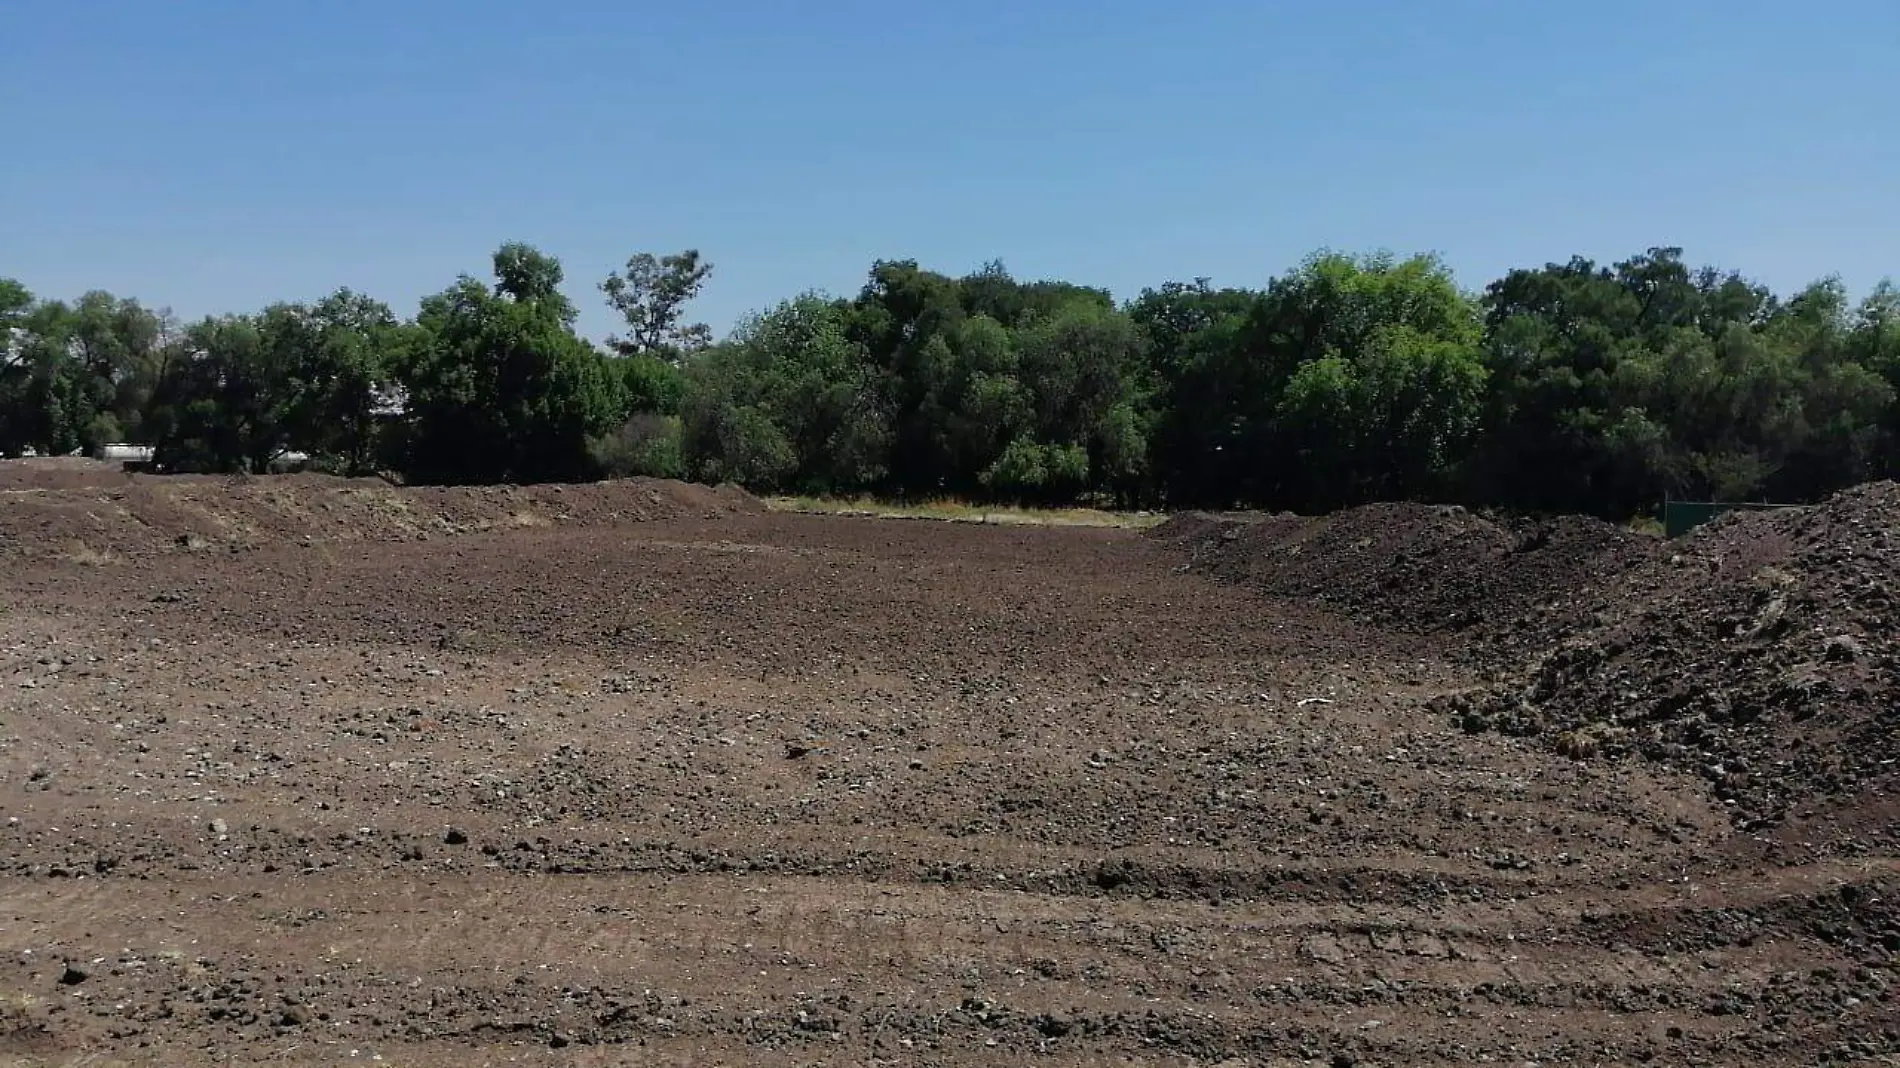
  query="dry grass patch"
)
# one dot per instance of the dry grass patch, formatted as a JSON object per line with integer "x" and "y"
{"x": 956, "y": 511}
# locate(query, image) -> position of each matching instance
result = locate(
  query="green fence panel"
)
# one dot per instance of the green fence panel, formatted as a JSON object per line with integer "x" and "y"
{"x": 1681, "y": 517}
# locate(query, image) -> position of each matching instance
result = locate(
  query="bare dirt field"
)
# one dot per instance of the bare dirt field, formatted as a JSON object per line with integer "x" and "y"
{"x": 305, "y": 771}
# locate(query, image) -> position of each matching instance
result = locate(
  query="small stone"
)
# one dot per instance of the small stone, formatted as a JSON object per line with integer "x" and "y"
{"x": 219, "y": 827}
{"x": 72, "y": 976}
{"x": 557, "y": 1041}
{"x": 454, "y": 837}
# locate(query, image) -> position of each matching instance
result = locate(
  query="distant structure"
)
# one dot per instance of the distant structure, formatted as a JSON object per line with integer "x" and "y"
{"x": 125, "y": 454}
{"x": 131, "y": 457}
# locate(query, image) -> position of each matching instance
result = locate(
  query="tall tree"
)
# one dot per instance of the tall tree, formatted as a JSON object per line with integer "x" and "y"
{"x": 350, "y": 383}
{"x": 790, "y": 402}
{"x": 75, "y": 376}
{"x": 1192, "y": 330}
{"x": 224, "y": 399}
{"x": 16, "y": 374}
{"x": 498, "y": 386}
{"x": 1229, "y": 434}
{"x": 1387, "y": 422}
{"x": 651, "y": 295}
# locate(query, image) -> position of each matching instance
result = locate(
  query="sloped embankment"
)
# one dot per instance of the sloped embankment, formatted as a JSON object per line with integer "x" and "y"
{"x": 1761, "y": 652}
{"x": 156, "y": 514}
{"x": 1416, "y": 569}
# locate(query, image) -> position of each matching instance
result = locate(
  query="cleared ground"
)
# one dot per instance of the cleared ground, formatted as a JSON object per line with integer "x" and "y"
{"x": 803, "y": 789}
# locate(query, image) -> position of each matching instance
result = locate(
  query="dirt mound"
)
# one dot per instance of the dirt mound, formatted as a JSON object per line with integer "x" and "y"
{"x": 60, "y": 472}
{"x": 1416, "y": 568}
{"x": 1555, "y": 576}
{"x": 1190, "y": 529}
{"x": 141, "y": 515}
{"x": 1759, "y": 652}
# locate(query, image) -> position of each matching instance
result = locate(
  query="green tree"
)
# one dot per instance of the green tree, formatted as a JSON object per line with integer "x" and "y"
{"x": 1083, "y": 368}
{"x": 1612, "y": 388}
{"x": 531, "y": 278}
{"x": 1192, "y": 333}
{"x": 789, "y": 402}
{"x": 15, "y": 300}
{"x": 647, "y": 443}
{"x": 74, "y": 376}
{"x": 224, "y": 398}
{"x": 651, "y": 295}
{"x": 242, "y": 390}
{"x": 650, "y": 385}
{"x": 346, "y": 379}
{"x": 647, "y": 439}
{"x": 498, "y": 386}
{"x": 904, "y": 320}
{"x": 1030, "y": 472}
{"x": 16, "y": 372}
{"x": 967, "y": 403}
{"x": 1873, "y": 343}
{"x": 992, "y": 292}
{"x": 1569, "y": 387}
{"x": 1353, "y": 338}
{"x": 970, "y": 366}
{"x": 115, "y": 342}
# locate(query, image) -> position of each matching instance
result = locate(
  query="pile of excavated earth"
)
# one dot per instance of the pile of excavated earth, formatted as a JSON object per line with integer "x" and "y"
{"x": 309, "y": 771}
{"x": 1413, "y": 568}
{"x": 1761, "y": 651}
{"x": 87, "y": 511}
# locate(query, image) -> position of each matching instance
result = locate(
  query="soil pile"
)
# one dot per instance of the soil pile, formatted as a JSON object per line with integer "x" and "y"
{"x": 141, "y": 515}
{"x": 60, "y": 472}
{"x": 1760, "y": 651}
{"x": 1418, "y": 569}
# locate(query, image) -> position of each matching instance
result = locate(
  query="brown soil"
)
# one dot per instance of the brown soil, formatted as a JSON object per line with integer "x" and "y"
{"x": 60, "y": 472}
{"x": 1414, "y": 568}
{"x": 657, "y": 777}
{"x": 1760, "y": 652}
{"x": 89, "y": 514}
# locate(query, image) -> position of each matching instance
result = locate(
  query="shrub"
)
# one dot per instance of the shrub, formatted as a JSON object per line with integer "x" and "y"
{"x": 647, "y": 444}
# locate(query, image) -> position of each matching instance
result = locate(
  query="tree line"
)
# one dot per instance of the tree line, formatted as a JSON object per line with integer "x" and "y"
{"x": 1574, "y": 386}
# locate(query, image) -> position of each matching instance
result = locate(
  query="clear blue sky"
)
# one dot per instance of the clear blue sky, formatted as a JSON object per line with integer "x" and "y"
{"x": 216, "y": 156}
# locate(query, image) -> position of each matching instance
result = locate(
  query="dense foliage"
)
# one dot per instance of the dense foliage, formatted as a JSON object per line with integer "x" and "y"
{"x": 1571, "y": 387}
